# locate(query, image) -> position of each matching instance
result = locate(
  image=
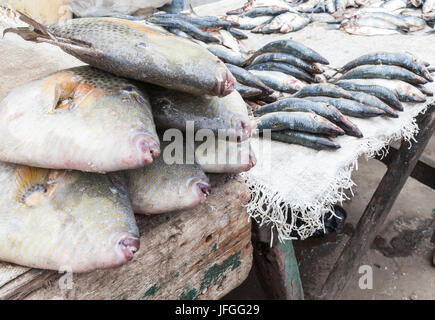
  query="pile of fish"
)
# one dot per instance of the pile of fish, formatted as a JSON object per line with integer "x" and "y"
{"x": 369, "y": 86}
{"x": 269, "y": 16}
{"x": 83, "y": 149}
{"x": 277, "y": 69}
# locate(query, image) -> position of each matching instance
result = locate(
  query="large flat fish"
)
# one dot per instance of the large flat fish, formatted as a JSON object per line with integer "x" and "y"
{"x": 80, "y": 118}
{"x": 70, "y": 220}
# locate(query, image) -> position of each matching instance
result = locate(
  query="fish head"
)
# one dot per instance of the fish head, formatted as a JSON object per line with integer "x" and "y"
{"x": 225, "y": 81}
{"x": 73, "y": 220}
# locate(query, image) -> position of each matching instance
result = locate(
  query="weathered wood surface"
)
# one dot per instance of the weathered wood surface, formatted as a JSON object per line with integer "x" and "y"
{"x": 277, "y": 267}
{"x": 379, "y": 206}
{"x": 198, "y": 254}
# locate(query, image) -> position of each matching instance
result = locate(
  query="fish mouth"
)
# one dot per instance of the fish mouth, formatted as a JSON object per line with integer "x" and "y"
{"x": 127, "y": 246}
{"x": 225, "y": 82}
{"x": 204, "y": 190}
{"x": 148, "y": 147}
{"x": 243, "y": 129}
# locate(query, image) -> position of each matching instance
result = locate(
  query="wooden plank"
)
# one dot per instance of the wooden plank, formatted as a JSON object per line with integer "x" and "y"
{"x": 277, "y": 267}
{"x": 378, "y": 208}
{"x": 202, "y": 253}
{"x": 423, "y": 172}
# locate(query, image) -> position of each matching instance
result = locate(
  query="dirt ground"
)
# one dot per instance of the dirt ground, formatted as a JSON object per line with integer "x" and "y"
{"x": 401, "y": 258}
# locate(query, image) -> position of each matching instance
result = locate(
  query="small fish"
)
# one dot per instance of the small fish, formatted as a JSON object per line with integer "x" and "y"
{"x": 397, "y": 20}
{"x": 377, "y": 22}
{"x": 239, "y": 35}
{"x": 285, "y": 68}
{"x": 383, "y": 72}
{"x": 289, "y": 59}
{"x": 248, "y": 79}
{"x": 403, "y": 60}
{"x": 248, "y": 92}
{"x": 246, "y": 23}
{"x": 354, "y": 27}
{"x": 266, "y": 11}
{"x": 322, "y": 109}
{"x": 374, "y": 102}
{"x": 299, "y": 121}
{"x": 222, "y": 156}
{"x": 187, "y": 27}
{"x": 200, "y": 21}
{"x": 56, "y": 218}
{"x": 323, "y": 89}
{"x": 72, "y": 119}
{"x": 350, "y": 107}
{"x": 173, "y": 109}
{"x": 386, "y": 95}
{"x": 228, "y": 40}
{"x": 136, "y": 51}
{"x": 405, "y": 91}
{"x": 228, "y": 55}
{"x": 289, "y": 46}
{"x": 163, "y": 187}
{"x": 415, "y": 23}
{"x": 394, "y": 4}
{"x": 279, "y": 81}
{"x": 313, "y": 141}
{"x": 284, "y": 23}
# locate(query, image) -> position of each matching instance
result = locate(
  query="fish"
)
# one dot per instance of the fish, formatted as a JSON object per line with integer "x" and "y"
{"x": 403, "y": 60}
{"x": 166, "y": 187}
{"x": 174, "y": 109}
{"x": 405, "y": 91}
{"x": 428, "y": 7}
{"x": 239, "y": 35}
{"x": 377, "y": 22}
{"x": 222, "y": 156}
{"x": 248, "y": 92}
{"x": 284, "y": 23}
{"x": 285, "y": 68}
{"x": 383, "y": 72}
{"x": 415, "y": 23}
{"x": 228, "y": 40}
{"x": 317, "y": 142}
{"x": 179, "y": 33}
{"x": 53, "y": 219}
{"x": 247, "y": 78}
{"x": 386, "y": 95}
{"x": 252, "y": 4}
{"x": 289, "y": 46}
{"x": 73, "y": 119}
{"x": 279, "y": 81}
{"x": 298, "y": 121}
{"x": 246, "y": 23}
{"x": 289, "y": 59}
{"x": 322, "y": 109}
{"x": 424, "y": 90}
{"x": 394, "y": 4}
{"x": 323, "y": 89}
{"x": 354, "y": 27}
{"x": 264, "y": 11}
{"x": 136, "y": 51}
{"x": 200, "y": 21}
{"x": 374, "y": 102}
{"x": 350, "y": 107}
{"x": 392, "y": 18}
{"x": 228, "y": 55}
{"x": 185, "y": 26}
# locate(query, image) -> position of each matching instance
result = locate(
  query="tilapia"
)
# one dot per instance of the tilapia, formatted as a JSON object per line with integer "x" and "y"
{"x": 247, "y": 78}
{"x": 405, "y": 91}
{"x": 322, "y": 109}
{"x": 289, "y": 46}
{"x": 57, "y": 219}
{"x": 221, "y": 156}
{"x": 137, "y": 51}
{"x": 383, "y": 72}
{"x": 173, "y": 109}
{"x": 386, "y": 95}
{"x": 285, "y": 68}
{"x": 323, "y": 89}
{"x": 313, "y": 141}
{"x": 163, "y": 187}
{"x": 299, "y": 121}
{"x": 279, "y": 81}
{"x": 403, "y": 60}
{"x": 350, "y": 107}
{"x": 76, "y": 119}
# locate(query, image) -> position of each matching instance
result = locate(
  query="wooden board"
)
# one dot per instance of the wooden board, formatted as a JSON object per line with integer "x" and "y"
{"x": 202, "y": 253}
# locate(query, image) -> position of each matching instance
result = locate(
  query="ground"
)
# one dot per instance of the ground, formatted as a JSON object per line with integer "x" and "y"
{"x": 401, "y": 258}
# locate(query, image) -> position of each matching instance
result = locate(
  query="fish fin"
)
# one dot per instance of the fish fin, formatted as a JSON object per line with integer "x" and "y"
{"x": 32, "y": 185}
{"x": 56, "y": 98}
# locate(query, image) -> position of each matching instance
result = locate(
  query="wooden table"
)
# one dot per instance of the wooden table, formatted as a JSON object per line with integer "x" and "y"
{"x": 401, "y": 164}
{"x": 202, "y": 253}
